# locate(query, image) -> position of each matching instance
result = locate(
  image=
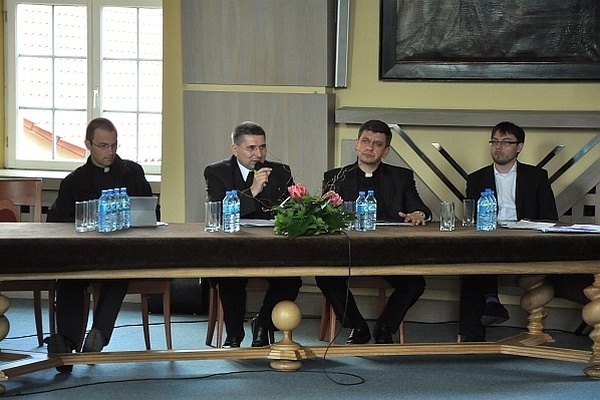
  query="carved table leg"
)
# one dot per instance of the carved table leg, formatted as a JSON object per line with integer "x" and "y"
{"x": 538, "y": 293}
{"x": 591, "y": 315}
{"x": 287, "y": 353}
{"x": 4, "y": 325}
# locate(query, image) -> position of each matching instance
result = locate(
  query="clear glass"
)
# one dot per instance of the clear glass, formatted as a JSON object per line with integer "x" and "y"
{"x": 212, "y": 216}
{"x": 447, "y": 216}
{"x": 468, "y": 213}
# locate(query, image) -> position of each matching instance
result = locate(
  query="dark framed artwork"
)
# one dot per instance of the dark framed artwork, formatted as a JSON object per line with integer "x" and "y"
{"x": 490, "y": 39}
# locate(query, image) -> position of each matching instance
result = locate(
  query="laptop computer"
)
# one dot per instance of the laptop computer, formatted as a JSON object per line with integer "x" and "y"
{"x": 143, "y": 211}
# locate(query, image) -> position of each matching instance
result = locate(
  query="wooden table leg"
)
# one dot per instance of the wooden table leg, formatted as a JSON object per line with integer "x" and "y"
{"x": 591, "y": 315}
{"x": 538, "y": 293}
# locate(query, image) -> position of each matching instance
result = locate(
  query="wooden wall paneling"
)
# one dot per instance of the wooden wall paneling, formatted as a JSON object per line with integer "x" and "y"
{"x": 259, "y": 42}
{"x": 299, "y": 127}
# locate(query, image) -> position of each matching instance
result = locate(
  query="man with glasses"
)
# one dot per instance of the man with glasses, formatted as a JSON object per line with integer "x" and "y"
{"x": 261, "y": 185}
{"x": 104, "y": 169}
{"x": 522, "y": 192}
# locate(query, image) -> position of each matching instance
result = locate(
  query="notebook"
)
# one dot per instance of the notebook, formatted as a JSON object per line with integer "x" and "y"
{"x": 143, "y": 211}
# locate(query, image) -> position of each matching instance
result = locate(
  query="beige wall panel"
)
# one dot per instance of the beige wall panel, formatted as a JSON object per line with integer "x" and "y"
{"x": 299, "y": 127}
{"x": 258, "y": 42}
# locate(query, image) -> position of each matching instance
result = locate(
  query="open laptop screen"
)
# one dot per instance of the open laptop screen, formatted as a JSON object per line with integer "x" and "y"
{"x": 143, "y": 211}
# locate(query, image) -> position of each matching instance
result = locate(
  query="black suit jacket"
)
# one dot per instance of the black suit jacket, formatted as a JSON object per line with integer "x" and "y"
{"x": 397, "y": 192}
{"x": 225, "y": 175}
{"x": 534, "y": 197}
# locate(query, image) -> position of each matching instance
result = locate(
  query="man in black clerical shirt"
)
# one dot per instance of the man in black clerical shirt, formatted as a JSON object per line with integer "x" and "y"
{"x": 104, "y": 169}
{"x": 397, "y": 200}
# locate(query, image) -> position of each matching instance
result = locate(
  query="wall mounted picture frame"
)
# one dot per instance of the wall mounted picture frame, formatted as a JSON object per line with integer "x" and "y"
{"x": 490, "y": 40}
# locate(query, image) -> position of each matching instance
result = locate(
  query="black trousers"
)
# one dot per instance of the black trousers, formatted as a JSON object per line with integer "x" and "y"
{"x": 69, "y": 307}
{"x": 473, "y": 289}
{"x": 232, "y": 292}
{"x": 407, "y": 290}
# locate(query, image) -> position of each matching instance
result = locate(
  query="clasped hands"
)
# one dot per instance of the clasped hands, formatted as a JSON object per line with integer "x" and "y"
{"x": 415, "y": 217}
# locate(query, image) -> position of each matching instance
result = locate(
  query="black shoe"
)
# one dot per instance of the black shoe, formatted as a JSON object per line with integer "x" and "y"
{"x": 494, "y": 313}
{"x": 57, "y": 344}
{"x": 359, "y": 336}
{"x": 94, "y": 342}
{"x": 382, "y": 334}
{"x": 260, "y": 333}
{"x": 233, "y": 341}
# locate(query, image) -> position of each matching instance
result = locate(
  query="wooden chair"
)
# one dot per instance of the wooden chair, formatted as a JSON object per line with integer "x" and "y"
{"x": 328, "y": 317}
{"x": 215, "y": 310}
{"x": 143, "y": 287}
{"x": 27, "y": 192}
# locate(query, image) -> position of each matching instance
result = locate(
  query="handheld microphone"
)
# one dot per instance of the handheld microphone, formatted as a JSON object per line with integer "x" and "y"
{"x": 258, "y": 165}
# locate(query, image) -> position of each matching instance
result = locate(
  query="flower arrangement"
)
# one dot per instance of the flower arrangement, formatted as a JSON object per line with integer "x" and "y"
{"x": 304, "y": 215}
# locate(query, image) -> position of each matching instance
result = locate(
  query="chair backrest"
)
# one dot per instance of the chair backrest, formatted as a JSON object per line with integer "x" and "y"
{"x": 23, "y": 192}
{"x": 8, "y": 211}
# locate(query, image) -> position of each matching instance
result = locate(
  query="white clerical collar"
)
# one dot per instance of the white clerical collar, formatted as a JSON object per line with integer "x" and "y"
{"x": 245, "y": 171}
{"x": 106, "y": 170}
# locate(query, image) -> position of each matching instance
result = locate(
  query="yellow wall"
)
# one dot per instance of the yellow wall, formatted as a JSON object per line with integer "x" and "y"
{"x": 2, "y": 119}
{"x": 469, "y": 146}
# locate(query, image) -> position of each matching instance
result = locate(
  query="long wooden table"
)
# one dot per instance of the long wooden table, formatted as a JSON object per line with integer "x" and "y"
{"x": 56, "y": 251}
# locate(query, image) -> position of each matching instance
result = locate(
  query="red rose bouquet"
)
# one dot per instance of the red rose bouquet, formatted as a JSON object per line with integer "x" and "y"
{"x": 304, "y": 215}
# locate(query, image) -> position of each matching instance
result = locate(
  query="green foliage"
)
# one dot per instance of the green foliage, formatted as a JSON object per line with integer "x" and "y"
{"x": 309, "y": 216}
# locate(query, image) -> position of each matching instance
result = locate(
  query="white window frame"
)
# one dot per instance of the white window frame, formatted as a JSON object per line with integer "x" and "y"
{"x": 93, "y": 82}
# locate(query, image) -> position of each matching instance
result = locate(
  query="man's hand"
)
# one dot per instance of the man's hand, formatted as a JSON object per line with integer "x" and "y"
{"x": 415, "y": 217}
{"x": 261, "y": 178}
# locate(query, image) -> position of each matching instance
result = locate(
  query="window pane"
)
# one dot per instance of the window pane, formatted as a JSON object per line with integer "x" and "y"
{"x": 150, "y": 96}
{"x": 70, "y": 31}
{"x": 119, "y": 37}
{"x": 70, "y": 84}
{"x": 34, "y": 29}
{"x": 150, "y": 148}
{"x": 119, "y": 85}
{"x": 35, "y": 138}
{"x": 151, "y": 33}
{"x": 35, "y": 82}
{"x": 70, "y": 135}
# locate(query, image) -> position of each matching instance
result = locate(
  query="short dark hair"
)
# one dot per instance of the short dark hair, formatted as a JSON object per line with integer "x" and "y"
{"x": 100, "y": 122}
{"x": 246, "y": 128}
{"x": 375, "y": 125}
{"x": 507, "y": 128}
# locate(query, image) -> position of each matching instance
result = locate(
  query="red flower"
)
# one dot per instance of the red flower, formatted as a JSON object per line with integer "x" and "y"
{"x": 298, "y": 191}
{"x": 336, "y": 199}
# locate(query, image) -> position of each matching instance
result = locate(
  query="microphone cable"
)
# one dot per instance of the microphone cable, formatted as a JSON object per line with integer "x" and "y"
{"x": 360, "y": 380}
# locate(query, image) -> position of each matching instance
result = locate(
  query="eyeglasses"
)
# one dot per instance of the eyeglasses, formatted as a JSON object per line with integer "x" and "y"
{"x": 106, "y": 146}
{"x": 252, "y": 148}
{"x": 503, "y": 143}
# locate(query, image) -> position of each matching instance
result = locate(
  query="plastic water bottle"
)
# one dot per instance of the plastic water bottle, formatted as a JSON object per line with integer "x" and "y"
{"x": 231, "y": 212}
{"x": 487, "y": 216}
{"x": 235, "y": 203}
{"x": 361, "y": 212}
{"x": 371, "y": 220}
{"x": 103, "y": 223}
{"x": 118, "y": 210}
{"x": 226, "y": 220}
{"x": 482, "y": 211}
{"x": 492, "y": 211}
{"x": 111, "y": 214}
{"x": 125, "y": 208}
